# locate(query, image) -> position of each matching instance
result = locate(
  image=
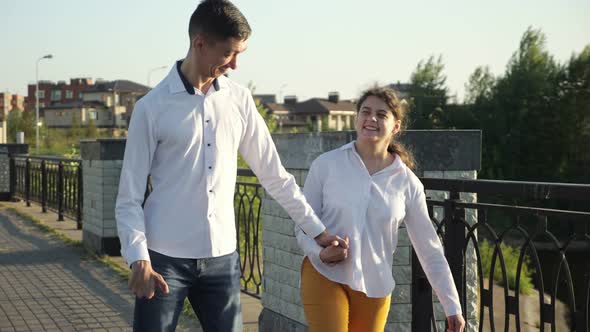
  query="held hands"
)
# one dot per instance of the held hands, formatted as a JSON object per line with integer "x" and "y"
{"x": 456, "y": 323}
{"x": 335, "y": 253}
{"x": 326, "y": 239}
{"x": 143, "y": 280}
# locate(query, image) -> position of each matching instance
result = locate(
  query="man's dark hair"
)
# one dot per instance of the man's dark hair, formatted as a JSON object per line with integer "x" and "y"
{"x": 218, "y": 20}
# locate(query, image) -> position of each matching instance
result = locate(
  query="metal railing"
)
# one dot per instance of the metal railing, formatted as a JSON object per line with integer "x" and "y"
{"x": 551, "y": 243}
{"x": 248, "y": 206}
{"x": 55, "y": 183}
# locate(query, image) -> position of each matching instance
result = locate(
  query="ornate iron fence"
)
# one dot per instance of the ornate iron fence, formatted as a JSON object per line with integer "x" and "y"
{"x": 516, "y": 265}
{"x": 247, "y": 205}
{"x": 55, "y": 183}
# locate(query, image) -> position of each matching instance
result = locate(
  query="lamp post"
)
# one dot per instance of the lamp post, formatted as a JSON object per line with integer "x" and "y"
{"x": 48, "y": 56}
{"x": 151, "y": 71}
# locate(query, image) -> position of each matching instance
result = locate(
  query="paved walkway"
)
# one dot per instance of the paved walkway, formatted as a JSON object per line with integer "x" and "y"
{"x": 47, "y": 285}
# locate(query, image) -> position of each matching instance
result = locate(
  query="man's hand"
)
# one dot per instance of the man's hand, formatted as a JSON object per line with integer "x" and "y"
{"x": 456, "y": 323}
{"x": 325, "y": 239}
{"x": 334, "y": 253}
{"x": 143, "y": 280}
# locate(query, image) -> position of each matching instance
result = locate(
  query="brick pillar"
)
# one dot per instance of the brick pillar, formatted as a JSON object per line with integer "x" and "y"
{"x": 102, "y": 160}
{"x": 455, "y": 152}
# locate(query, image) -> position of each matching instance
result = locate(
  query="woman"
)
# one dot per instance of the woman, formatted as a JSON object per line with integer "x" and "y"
{"x": 366, "y": 189}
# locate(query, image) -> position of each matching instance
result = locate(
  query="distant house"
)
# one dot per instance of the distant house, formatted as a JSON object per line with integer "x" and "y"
{"x": 403, "y": 90}
{"x": 315, "y": 114}
{"x": 106, "y": 104}
{"x": 117, "y": 93}
{"x": 51, "y": 93}
{"x": 83, "y": 113}
{"x": 8, "y": 103}
{"x": 268, "y": 98}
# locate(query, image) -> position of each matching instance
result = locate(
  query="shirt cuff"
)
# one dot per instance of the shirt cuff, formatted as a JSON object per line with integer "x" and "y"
{"x": 312, "y": 228}
{"x": 315, "y": 253}
{"x": 137, "y": 253}
{"x": 453, "y": 310}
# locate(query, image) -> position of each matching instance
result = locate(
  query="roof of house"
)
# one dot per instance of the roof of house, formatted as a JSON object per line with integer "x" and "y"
{"x": 313, "y": 106}
{"x": 401, "y": 87}
{"x": 266, "y": 98}
{"x": 119, "y": 86}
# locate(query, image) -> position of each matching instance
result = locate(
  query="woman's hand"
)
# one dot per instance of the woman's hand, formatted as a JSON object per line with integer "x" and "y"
{"x": 335, "y": 252}
{"x": 456, "y": 323}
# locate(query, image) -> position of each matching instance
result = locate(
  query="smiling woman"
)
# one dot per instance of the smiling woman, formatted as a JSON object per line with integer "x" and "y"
{"x": 364, "y": 191}
{"x": 381, "y": 118}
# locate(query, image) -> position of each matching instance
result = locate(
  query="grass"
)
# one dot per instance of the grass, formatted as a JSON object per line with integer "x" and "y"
{"x": 44, "y": 228}
{"x": 511, "y": 256}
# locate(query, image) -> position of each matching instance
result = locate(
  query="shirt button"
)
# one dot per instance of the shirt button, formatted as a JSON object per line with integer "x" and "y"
{"x": 210, "y": 167}
{"x": 208, "y": 144}
{"x": 210, "y": 190}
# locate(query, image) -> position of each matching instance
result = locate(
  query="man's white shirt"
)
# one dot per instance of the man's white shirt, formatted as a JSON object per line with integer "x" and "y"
{"x": 188, "y": 144}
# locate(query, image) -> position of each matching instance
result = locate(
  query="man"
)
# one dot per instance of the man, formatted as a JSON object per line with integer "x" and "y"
{"x": 186, "y": 133}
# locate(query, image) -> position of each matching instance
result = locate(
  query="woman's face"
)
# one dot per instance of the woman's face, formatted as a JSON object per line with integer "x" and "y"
{"x": 375, "y": 121}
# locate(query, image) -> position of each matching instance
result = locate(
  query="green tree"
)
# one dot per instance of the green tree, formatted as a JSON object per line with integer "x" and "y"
{"x": 480, "y": 85}
{"x": 269, "y": 118}
{"x": 519, "y": 114}
{"x": 14, "y": 121}
{"x": 90, "y": 129}
{"x": 574, "y": 94}
{"x": 429, "y": 94}
{"x": 75, "y": 131}
{"x": 27, "y": 125}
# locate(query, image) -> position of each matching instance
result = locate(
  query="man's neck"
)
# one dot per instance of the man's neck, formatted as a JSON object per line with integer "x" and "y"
{"x": 189, "y": 70}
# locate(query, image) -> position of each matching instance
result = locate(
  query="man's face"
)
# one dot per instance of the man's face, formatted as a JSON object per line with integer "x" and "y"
{"x": 218, "y": 57}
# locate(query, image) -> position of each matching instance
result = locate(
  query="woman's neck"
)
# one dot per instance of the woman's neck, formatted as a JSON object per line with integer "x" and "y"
{"x": 374, "y": 156}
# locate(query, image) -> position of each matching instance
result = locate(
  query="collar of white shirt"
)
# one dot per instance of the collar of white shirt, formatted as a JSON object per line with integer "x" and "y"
{"x": 178, "y": 83}
{"x": 397, "y": 162}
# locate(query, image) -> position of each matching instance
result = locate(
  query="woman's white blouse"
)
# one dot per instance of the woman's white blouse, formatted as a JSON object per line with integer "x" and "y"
{"x": 370, "y": 209}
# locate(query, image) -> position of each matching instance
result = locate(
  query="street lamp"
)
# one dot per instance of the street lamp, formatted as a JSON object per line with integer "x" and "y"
{"x": 48, "y": 56}
{"x": 151, "y": 71}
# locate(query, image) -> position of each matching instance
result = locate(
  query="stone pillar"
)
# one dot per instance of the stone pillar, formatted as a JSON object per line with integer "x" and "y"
{"x": 102, "y": 160}
{"x": 453, "y": 154}
{"x": 6, "y": 152}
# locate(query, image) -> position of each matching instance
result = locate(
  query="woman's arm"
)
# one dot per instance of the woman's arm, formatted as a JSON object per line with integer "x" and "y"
{"x": 430, "y": 250}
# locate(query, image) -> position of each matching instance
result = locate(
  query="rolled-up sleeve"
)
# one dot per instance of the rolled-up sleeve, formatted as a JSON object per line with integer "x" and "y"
{"x": 259, "y": 151}
{"x": 139, "y": 151}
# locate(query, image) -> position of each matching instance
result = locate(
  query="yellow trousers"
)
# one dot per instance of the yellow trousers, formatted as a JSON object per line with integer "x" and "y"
{"x": 333, "y": 307}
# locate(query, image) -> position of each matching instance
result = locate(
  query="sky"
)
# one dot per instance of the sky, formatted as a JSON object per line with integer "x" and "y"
{"x": 304, "y": 48}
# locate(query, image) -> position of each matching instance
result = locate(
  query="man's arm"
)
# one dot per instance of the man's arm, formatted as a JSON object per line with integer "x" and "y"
{"x": 139, "y": 151}
{"x": 313, "y": 191}
{"x": 259, "y": 151}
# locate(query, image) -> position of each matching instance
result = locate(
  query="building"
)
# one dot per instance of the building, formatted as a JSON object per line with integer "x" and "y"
{"x": 106, "y": 104}
{"x": 122, "y": 93}
{"x": 315, "y": 114}
{"x": 83, "y": 113}
{"x": 403, "y": 90}
{"x": 51, "y": 93}
{"x": 8, "y": 103}
{"x": 264, "y": 99}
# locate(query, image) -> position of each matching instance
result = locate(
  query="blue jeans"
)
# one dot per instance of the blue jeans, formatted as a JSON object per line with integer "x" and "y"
{"x": 212, "y": 286}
